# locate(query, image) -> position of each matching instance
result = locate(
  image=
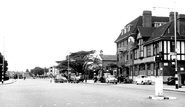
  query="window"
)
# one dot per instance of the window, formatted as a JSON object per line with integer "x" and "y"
{"x": 156, "y": 48}
{"x": 141, "y": 48}
{"x": 148, "y": 50}
{"x": 135, "y": 54}
{"x": 158, "y": 24}
{"x": 148, "y": 66}
{"x": 142, "y": 67}
{"x": 172, "y": 46}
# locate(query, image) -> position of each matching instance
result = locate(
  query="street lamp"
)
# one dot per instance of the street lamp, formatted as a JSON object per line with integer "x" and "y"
{"x": 175, "y": 36}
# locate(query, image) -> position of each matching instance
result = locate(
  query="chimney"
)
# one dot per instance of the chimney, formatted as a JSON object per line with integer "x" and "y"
{"x": 147, "y": 18}
{"x": 171, "y": 18}
{"x": 181, "y": 24}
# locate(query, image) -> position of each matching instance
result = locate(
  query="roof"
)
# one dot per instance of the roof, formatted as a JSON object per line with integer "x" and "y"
{"x": 158, "y": 32}
{"x": 146, "y": 31}
{"x": 108, "y": 57}
{"x": 138, "y": 22}
{"x": 134, "y": 23}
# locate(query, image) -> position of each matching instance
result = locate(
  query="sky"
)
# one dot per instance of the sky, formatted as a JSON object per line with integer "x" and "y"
{"x": 37, "y": 33}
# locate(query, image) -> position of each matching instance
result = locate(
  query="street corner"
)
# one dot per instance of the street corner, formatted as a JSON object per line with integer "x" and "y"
{"x": 10, "y": 81}
{"x": 154, "y": 97}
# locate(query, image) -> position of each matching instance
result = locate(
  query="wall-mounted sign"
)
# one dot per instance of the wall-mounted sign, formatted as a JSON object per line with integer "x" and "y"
{"x": 165, "y": 64}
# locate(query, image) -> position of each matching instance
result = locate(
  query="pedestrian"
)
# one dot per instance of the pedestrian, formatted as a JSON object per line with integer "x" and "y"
{"x": 95, "y": 79}
{"x": 50, "y": 79}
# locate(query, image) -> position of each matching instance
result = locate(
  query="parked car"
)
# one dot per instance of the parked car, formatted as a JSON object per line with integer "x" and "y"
{"x": 111, "y": 79}
{"x": 75, "y": 79}
{"x": 128, "y": 80}
{"x": 171, "y": 80}
{"x": 60, "y": 79}
{"x": 143, "y": 79}
{"x": 102, "y": 80}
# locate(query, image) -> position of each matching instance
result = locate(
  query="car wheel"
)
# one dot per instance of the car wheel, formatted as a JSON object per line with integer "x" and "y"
{"x": 142, "y": 82}
{"x": 136, "y": 83}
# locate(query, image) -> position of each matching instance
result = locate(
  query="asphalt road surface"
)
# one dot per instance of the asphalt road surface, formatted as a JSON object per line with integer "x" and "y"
{"x": 42, "y": 93}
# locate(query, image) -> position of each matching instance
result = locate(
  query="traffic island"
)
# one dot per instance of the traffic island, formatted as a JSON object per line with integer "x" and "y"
{"x": 159, "y": 90}
{"x": 153, "y": 97}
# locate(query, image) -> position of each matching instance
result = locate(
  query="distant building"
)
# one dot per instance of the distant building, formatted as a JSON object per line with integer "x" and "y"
{"x": 107, "y": 61}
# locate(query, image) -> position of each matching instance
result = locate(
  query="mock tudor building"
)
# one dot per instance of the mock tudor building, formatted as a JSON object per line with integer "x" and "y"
{"x": 149, "y": 36}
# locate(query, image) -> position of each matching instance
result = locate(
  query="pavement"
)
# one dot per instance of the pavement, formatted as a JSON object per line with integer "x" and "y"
{"x": 10, "y": 81}
{"x": 165, "y": 86}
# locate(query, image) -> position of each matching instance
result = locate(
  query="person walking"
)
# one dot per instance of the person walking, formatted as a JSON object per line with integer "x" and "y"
{"x": 50, "y": 79}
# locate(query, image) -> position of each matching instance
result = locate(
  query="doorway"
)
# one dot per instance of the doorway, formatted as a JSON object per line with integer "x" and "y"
{"x": 183, "y": 79}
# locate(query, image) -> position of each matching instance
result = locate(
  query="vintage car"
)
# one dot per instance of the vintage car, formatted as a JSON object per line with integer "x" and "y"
{"x": 171, "y": 80}
{"x": 111, "y": 79}
{"x": 59, "y": 79}
{"x": 75, "y": 79}
{"x": 143, "y": 79}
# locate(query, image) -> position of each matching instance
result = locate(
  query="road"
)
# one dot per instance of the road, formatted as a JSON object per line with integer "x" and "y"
{"x": 41, "y": 93}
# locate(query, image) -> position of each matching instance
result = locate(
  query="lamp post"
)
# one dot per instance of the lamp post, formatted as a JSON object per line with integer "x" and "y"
{"x": 175, "y": 38}
{"x": 68, "y": 66}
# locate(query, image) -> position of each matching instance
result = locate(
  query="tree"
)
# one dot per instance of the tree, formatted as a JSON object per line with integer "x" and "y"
{"x": 27, "y": 70}
{"x": 5, "y": 67}
{"x": 37, "y": 71}
{"x": 77, "y": 61}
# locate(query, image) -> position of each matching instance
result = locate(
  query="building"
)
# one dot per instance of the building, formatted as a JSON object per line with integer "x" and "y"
{"x": 148, "y": 37}
{"x": 107, "y": 61}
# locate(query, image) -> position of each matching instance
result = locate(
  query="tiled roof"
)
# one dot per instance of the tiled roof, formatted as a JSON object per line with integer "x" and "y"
{"x": 158, "y": 33}
{"x": 108, "y": 57}
{"x": 138, "y": 22}
{"x": 146, "y": 31}
{"x": 134, "y": 23}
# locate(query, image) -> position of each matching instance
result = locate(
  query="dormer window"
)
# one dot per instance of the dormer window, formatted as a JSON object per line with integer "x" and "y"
{"x": 158, "y": 24}
{"x": 122, "y": 32}
{"x": 128, "y": 28}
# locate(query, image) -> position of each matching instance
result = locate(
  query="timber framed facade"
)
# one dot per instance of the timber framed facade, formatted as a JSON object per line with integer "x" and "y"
{"x": 149, "y": 36}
